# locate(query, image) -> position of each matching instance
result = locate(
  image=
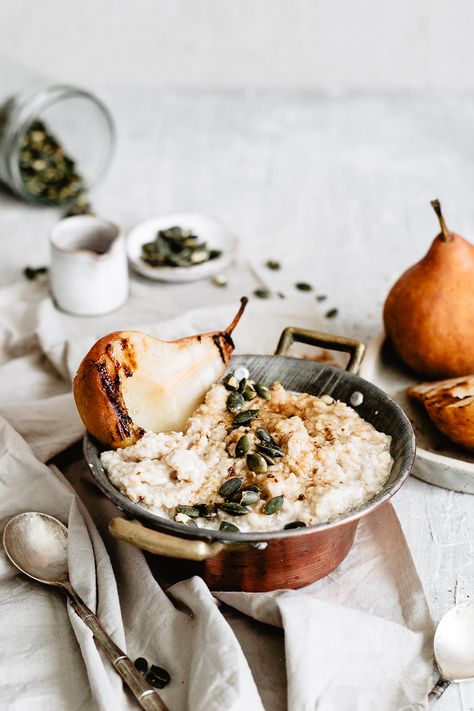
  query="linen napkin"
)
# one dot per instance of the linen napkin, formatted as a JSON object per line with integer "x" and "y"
{"x": 358, "y": 639}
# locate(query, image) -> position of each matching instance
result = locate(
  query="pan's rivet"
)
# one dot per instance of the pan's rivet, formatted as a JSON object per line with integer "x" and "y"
{"x": 259, "y": 546}
{"x": 356, "y": 399}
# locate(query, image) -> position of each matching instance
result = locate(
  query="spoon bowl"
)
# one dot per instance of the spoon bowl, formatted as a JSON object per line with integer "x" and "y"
{"x": 37, "y": 544}
{"x": 454, "y": 643}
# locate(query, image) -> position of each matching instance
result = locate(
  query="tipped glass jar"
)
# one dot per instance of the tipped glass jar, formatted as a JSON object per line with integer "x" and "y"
{"x": 56, "y": 142}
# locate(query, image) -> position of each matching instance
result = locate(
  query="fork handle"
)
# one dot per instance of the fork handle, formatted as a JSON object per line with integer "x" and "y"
{"x": 144, "y": 693}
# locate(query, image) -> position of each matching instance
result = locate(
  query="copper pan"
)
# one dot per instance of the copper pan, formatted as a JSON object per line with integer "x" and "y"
{"x": 264, "y": 561}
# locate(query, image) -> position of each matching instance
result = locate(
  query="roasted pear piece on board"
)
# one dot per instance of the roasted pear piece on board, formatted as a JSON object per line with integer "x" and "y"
{"x": 130, "y": 382}
{"x": 429, "y": 312}
{"x": 450, "y": 404}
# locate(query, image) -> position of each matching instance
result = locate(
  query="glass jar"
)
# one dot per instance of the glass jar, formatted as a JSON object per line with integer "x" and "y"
{"x": 56, "y": 142}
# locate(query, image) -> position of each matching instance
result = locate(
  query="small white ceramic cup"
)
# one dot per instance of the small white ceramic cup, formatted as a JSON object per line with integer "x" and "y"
{"x": 89, "y": 273}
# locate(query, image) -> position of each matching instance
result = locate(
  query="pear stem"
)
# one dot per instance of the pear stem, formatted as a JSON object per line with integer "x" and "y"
{"x": 445, "y": 235}
{"x": 243, "y": 303}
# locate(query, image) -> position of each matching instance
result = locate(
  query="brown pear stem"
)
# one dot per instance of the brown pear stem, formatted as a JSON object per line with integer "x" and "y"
{"x": 445, "y": 235}
{"x": 243, "y": 303}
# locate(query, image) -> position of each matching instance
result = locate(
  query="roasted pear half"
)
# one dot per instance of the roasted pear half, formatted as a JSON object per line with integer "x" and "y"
{"x": 450, "y": 404}
{"x": 130, "y": 382}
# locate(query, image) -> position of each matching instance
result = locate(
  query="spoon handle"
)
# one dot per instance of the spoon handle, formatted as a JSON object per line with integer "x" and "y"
{"x": 438, "y": 689}
{"x": 145, "y": 694}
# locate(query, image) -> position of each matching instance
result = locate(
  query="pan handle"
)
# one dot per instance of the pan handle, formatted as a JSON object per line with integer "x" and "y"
{"x": 293, "y": 334}
{"x": 162, "y": 543}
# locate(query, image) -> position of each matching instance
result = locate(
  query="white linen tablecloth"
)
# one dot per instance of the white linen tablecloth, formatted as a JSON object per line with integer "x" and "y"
{"x": 358, "y": 640}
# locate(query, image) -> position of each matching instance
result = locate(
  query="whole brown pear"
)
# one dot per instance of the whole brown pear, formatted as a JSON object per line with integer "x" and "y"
{"x": 429, "y": 312}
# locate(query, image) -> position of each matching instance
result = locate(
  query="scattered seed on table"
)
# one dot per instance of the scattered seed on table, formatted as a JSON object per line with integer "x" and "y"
{"x": 262, "y": 293}
{"x": 303, "y": 286}
{"x": 160, "y": 674}
{"x": 219, "y": 280}
{"x": 273, "y": 264}
{"x": 141, "y": 664}
{"x": 281, "y": 295}
{"x": 321, "y": 297}
{"x": 332, "y": 313}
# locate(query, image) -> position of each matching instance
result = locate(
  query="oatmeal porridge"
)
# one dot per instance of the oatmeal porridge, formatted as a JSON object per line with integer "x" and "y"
{"x": 254, "y": 459}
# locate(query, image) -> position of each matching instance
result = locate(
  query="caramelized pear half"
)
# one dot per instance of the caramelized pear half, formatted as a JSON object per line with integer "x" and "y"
{"x": 130, "y": 382}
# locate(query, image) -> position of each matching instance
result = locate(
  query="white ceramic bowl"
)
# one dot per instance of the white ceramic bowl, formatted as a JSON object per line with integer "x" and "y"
{"x": 216, "y": 236}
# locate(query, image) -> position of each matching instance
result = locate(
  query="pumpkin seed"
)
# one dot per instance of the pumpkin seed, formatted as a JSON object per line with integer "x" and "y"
{"x": 273, "y": 505}
{"x": 263, "y": 435}
{"x": 303, "y": 286}
{"x": 207, "y": 510}
{"x": 233, "y": 508}
{"x": 230, "y": 486}
{"x": 273, "y": 265}
{"x": 184, "y": 518}
{"x": 249, "y": 393}
{"x": 294, "y": 524}
{"x": 242, "y": 385}
{"x": 141, "y": 664}
{"x": 273, "y": 450}
{"x": 262, "y": 293}
{"x": 262, "y": 391}
{"x": 235, "y": 402}
{"x": 160, "y": 675}
{"x": 331, "y": 313}
{"x": 191, "y": 511}
{"x": 256, "y": 463}
{"x": 242, "y": 446}
{"x": 246, "y": 416}
{"x": 249, "y": 497}
{"x": 321, "y": 297}
{"x": 219, "y": 279}
{"x": 269, "y": 460}
{"x": 252, "y": 487}
{"x": 228, "y": 526}
{"x": 230, "y": 382}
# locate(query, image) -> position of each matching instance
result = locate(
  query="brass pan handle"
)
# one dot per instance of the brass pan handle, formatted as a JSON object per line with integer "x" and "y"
{"x": 162, "y": 543}
{"x": 293, "y": 334}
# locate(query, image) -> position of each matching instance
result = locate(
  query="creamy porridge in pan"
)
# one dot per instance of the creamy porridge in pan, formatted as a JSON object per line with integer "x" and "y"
{"x": 254, "y": 460}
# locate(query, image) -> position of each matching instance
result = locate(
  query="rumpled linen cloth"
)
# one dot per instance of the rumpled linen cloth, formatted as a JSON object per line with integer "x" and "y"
{"x": 358, "y": 640}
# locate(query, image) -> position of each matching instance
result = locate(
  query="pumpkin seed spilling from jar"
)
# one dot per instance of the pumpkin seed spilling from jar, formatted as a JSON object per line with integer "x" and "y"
{"x": 49, "y": 175}
{"x": 177, "y": 247}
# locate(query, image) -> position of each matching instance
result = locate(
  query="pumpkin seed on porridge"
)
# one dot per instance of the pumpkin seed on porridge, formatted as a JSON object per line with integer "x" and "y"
{"x": 276, "y": 460}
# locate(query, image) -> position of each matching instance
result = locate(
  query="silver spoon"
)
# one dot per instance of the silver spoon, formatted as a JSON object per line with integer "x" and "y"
{"x": 454, "y": 647}
{"x": 37, "y": 545}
